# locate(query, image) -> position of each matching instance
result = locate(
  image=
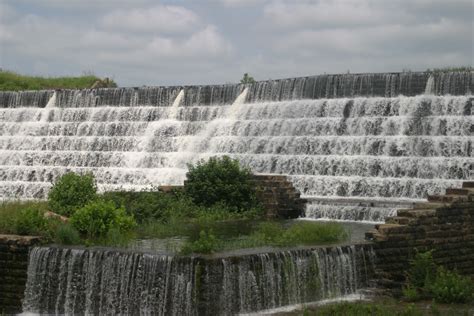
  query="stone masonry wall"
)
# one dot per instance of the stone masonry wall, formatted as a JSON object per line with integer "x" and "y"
{"x": 277, "y": 194}
{"x": 445, "y": 224}
{"x": 13, "y": 270}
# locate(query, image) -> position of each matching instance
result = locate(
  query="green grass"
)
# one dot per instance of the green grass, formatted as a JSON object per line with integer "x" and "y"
{"x": 11, "y": 81}
{"x": 269, "y": 234}
{"x": 451, "y": 69}
{"x": 384, "y": 307}
{"x": 11, "y": 212}
{"x": 205, "y": 229}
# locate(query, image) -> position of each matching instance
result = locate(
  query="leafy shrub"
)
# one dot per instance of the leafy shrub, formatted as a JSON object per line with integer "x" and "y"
{"x": 221, "y": 180}
{"x": 11, "y": 211}
{"x": 450, "y": 287}
{"x": 269, "y": 231}
{"x": 66, "y": 234}
{"x": 422, "y": 270}
{"x": 427, "y": 280}
{"x": 206, "y": 243}
{"x": 152, "y": 205}
{"x": 364, "y": 309}
{"x": 410, "y": 293}
{"x": 71, "y": 192}
{"x": 99, "y": 216}
{"x": 31, "y": 221}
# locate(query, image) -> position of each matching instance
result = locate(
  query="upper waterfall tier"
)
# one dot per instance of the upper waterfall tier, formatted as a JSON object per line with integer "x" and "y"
{"x": 338, "y": 151}
{"x": 314, "y": 87}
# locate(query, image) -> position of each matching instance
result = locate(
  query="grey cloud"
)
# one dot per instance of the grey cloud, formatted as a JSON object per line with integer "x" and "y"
{"x": 215, "y": 41}
{"x": 157, "y": 19}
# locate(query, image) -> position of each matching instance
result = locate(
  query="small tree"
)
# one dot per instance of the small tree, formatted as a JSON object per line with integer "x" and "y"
{"x": 246, "y": 79}
{"x": 71, "y": 192}
{"x": 221, "y": 180}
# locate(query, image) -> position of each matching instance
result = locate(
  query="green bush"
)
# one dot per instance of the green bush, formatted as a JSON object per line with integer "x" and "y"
{"x": 98, "y": 217}
{"x": 206, "y": 243}
{"x": 450, "y": 287}
{"x": 145, "y": 206}
{"x": 71, "y": 192}
{"x": 66, "y": 234}
{"x": 11, "y": 211}
{"x": 364, "y": 309}
{"x": 422, "y": 270}
{"x": 410, "y": 293}
{"x": 31, "y": 221}
{"x": 427, "y": 280}
{"x": 221, "y": 180}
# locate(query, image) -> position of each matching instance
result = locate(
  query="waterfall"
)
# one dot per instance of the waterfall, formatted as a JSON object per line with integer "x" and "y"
{"x": 44, "y": 114}
{"x": 347, "y": 142}
{"x": 175, "y": 105}
{"x": 430, "y": 85}
{"x": 98, "y": 281}
{"x": 241, "y": 98}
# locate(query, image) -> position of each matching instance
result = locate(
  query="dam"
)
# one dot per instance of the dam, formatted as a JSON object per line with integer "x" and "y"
{"x": 357, "y": 146}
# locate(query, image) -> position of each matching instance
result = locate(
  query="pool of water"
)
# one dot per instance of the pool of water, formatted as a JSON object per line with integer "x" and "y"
{"x": 235, "y": 230}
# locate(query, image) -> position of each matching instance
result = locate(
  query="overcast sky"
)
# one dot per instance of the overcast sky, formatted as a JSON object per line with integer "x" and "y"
{"x": 151, "y": 42}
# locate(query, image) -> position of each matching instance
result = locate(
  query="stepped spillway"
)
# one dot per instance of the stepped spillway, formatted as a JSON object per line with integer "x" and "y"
{"x": 357, "y": 146}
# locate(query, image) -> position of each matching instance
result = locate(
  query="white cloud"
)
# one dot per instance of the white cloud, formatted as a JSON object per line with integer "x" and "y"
{"x": 329, "y": 14}
{"x": 168, "y": 19}
{"x": 241, "y": 3}
{"x": 199, "y": 42}
{"x": 175, "y": 38}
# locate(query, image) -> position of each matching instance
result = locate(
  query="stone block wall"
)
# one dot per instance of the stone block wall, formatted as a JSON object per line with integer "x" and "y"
{"x": 13, "y": 270}
{"x": 444, "y": 224}
{"x": 278, "y": 196}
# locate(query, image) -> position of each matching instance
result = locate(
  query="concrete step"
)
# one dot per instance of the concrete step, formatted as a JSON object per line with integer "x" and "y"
{"x": 468, "y": 184}
{"x": 428, "y": 205}
{"x": 464, "y": 191}
{"x": 397, "y": 220}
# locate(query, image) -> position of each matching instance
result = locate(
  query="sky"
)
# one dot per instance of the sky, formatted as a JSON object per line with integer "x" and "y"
{"x": 181, "y": 42}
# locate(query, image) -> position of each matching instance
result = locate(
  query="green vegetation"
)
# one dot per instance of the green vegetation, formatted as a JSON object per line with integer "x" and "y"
{"x": 426, "y": 280}
{"x": 71, "y": 192}
{"x": 450, "y": 287}
{"x": 221, "y": 181}
{"x": 247, "y": 79}
{"x": 21, "y": 217}
{"x": 66, "y": 234}
{"x": 385, "y": 307}
{"x": 10, "y": 81}
{"x": 98, "y": 217}
{"x": 217, "y": 210}
{"x": 269, "y": 234}
{"x": 451, "y": 69}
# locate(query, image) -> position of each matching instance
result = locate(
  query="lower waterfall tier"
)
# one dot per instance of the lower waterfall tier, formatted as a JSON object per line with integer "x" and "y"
{"x": 100, "y": 281}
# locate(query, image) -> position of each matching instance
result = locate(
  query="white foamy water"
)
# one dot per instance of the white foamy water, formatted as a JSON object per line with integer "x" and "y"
{"x": 369, "y": 149}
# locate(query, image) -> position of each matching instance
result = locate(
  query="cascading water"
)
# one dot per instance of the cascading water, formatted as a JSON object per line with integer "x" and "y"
{"x": 97, "y": 281}
{"x": 351, "y": 145}
{"x": 357, "y": 146}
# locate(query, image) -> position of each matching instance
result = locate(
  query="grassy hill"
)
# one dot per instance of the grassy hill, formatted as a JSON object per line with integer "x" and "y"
{"x": 10, "y": 81}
